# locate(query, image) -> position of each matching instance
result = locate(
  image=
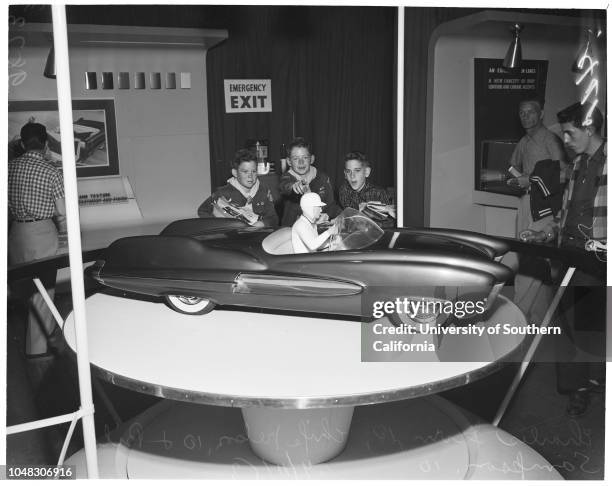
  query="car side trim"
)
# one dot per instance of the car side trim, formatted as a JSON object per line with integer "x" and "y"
{"x": 292, "y": 285}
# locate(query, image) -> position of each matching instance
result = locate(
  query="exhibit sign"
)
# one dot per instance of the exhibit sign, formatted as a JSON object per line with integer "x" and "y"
{"x": 497, "y": 94}
{"x": 107, "y": 202}
{"x": 104, "y": 190}
{"x": 247, "y": 95}
{"x": 95, "y": 133}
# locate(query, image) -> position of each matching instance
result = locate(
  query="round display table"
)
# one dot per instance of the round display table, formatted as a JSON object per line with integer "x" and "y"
{"x": 296, "y": 380}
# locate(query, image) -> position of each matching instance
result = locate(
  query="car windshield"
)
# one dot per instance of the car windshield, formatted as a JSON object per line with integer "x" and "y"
{"x": 355, "y": 231}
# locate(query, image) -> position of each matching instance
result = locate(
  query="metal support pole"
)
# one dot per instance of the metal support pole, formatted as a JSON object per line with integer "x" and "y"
{"x": 39, "y": 424}
{"x": 43, "y": 293}
{"x": 399, "y": 157}
{"x": 534, "y": 345}
{"x": 60, "y": 43}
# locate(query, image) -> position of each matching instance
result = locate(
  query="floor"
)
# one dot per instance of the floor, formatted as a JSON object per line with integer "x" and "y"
{"x": 574, "y": 446}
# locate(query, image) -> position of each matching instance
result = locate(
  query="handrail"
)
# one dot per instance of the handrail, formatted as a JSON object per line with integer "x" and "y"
{"x": 587, "y": 261}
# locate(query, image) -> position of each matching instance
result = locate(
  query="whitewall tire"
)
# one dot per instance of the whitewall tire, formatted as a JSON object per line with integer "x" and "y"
{"x": 189, "y": 305}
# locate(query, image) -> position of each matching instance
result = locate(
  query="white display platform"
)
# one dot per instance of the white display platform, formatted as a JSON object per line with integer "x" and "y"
{"x": 422, "y": 439}
{"x": 291, "y": 375}
{"x": 238, "y": 358}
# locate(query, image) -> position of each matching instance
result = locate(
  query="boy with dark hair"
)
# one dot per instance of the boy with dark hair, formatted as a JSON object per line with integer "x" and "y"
{"x": 243, "y": 192}
{"x": 582, "y": 224}
{"x": 356, "y": 191}
{"x": 302, "y": 178}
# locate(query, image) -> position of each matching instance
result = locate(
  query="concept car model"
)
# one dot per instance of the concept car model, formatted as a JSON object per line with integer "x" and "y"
{"x": 196, "y": 264}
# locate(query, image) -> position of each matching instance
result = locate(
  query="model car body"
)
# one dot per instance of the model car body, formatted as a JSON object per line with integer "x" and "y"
{"x": 196, "y": 264}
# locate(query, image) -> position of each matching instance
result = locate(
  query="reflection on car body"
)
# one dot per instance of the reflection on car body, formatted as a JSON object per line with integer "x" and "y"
{"x": 196, "y": 264}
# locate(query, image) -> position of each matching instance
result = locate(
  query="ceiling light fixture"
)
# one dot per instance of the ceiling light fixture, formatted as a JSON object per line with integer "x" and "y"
{"x": 514, "y": 56}
{"x": 50, "y": 65}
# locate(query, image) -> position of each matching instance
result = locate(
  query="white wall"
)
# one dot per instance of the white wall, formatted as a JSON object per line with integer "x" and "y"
{"x": 451, "y": 201}
{"x": 162, "y": 134}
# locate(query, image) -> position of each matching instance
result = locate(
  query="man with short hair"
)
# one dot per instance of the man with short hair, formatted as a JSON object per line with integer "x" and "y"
{"x": 538, "y": 144}
{"x": 35, "y": 199}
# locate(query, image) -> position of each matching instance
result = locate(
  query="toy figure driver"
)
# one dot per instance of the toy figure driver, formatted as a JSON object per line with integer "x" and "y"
{"x": 304, "y": 234}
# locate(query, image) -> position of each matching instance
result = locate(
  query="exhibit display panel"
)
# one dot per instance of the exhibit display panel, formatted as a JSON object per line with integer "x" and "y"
{"x": 157, "y": 137}
{"x": 451, "y": 158}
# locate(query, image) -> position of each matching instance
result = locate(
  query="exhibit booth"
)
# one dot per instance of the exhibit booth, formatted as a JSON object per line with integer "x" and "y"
{"x": 140, "y": 116}
{"x": 313, "y": 407}
{"x": 456, "y": 156}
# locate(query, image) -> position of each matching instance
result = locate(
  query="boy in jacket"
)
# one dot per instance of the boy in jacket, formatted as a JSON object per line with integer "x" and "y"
{"x": 244, "y": 192}
{"x": 301, "y": 178}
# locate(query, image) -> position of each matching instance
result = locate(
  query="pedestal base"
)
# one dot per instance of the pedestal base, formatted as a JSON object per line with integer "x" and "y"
{"x": 297, "y": 437}
{"x": 420, "y": 439}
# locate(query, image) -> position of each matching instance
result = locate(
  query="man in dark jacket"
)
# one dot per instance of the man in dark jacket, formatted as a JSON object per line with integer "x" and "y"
{"x": 582, "y": 224}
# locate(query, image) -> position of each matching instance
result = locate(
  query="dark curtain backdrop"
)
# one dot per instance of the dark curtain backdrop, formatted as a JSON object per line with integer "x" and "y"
{"x": 332, "y": 72}
{"x": 420, "y": 24}
{"x": 332, "y": 67}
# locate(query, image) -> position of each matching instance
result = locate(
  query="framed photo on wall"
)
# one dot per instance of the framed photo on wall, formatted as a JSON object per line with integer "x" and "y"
{"x": 94, "y": 126}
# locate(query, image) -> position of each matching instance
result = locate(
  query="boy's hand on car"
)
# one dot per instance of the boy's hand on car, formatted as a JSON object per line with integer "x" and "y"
{"x": 218, "y": 212}
{"x": 333, "y": 230}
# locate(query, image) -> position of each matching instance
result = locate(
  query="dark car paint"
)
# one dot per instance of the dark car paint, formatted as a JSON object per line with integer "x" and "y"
{"x": 214, "y": 264}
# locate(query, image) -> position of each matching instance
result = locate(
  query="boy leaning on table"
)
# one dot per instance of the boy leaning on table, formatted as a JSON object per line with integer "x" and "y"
{"x": 243, "y": 196}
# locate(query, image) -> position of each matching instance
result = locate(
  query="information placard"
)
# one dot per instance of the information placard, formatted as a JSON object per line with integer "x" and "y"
{"x": 497, "y": 94}
{"x": 247, "y": 95}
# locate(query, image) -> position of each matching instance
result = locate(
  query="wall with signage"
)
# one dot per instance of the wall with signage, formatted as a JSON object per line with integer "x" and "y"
{"x": 247, "y": 95}
{"x": 452, "y": 200}
{"x": 162, "y": 129}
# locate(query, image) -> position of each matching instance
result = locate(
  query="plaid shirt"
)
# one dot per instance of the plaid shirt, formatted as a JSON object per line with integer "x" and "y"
{"x": 350, "y": 198}
{"x": 600, "y": 202}
{"x": 33, "y": 186}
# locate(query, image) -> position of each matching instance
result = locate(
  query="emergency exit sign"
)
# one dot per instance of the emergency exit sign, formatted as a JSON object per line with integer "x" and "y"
{"x": 247, "y": 95}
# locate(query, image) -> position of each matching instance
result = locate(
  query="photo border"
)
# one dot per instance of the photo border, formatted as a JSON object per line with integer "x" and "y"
{"x": 108, "y": 105}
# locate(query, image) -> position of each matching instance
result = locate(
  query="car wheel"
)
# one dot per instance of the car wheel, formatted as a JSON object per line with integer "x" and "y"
{"x": 189, "y": 305}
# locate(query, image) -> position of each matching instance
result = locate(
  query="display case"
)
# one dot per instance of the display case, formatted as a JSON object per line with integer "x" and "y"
{"x": 492, "y": 172}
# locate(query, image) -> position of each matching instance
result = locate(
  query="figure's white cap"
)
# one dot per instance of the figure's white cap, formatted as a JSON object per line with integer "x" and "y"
{"x": 311, "y": 199}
